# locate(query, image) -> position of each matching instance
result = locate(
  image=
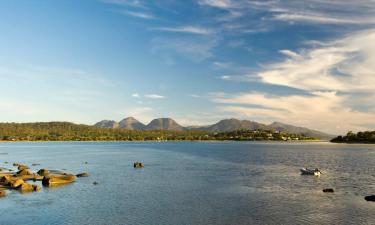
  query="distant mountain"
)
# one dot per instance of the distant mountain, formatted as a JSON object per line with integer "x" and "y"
{"x": 231, "y": 125}
{"x": 131, "y": 123}
{"x": 299, "y": 130}
{"x": 164, "y": 124}
{"x": 107, "y": 124}
{"x": 221, "y": 126}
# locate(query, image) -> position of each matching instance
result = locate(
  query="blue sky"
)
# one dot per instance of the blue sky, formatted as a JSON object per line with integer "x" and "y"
{"x": 308, "y": 63}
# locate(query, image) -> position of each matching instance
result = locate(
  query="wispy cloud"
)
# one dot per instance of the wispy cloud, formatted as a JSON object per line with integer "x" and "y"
{"x": 336, "y": 80}
{"x": 322, "y": 19}
{"x": 137, "y": 14}
{"x": 224, "y": 4}
{"x": 154, "y": 96}
{"x": 185, "y": 29}
{"x": 136, "y": 95}
{"x": 343, "y": 65}
{"x": 133, "y": 3}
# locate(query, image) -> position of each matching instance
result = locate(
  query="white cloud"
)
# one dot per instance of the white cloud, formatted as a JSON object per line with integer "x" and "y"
{"x": 345, "y": 65}
{"x": 185, "y": 29}
{"x": 154, "y": 96}
{"x": 322, "y": 19}
{"x": 224, "y": 4}
{"x": 225, "y": 77}
{"x": 133, "y": 3}
{"x": 141, "y": 15}
{"x": 337, "y": 79}
{"x": 136, "y": 95}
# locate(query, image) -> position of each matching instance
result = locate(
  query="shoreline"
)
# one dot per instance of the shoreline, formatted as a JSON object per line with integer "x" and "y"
{"x": 153, "y": 141}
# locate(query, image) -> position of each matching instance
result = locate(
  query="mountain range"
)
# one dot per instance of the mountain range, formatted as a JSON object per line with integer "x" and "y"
{"x": 131, "y": 123}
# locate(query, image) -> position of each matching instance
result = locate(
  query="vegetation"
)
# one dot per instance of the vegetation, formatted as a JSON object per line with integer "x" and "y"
{"x": 64, "y": 131}
{"x": 360, "y": 137}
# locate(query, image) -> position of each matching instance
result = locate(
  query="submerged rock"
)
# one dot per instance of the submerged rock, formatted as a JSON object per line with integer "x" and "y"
{"x": 58, "y": 179}
{"x": 328, "y": 190}
{"x": 2, "y": 193}
{"x": 370, "y": 198}
{"x": 95, "y": 183}
{"x": 138, "y": 165}
{"x": 82, "y": 175}
{"x": 43, "y": 172}
{"x": 35, "y": 164}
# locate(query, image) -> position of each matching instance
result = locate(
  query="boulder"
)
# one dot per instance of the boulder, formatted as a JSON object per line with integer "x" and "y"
{"x": 36, "y": 187}
{"x": 82, "y": 175}
{"x": 4, "y": 179}
{"x": 35, "y": 164}
{"x": 16, "y": 183}
{"x": 58, "y": 179}
{"x": 33, "y": 177}
{"x": 328, "y": 190}
{"x": 138, "y": 165}
{"x": 25, "y": 187}
{"x": 370, "y": 198}
{"x": 2, "y": 193}
{"x": 43, "y": 172}
{"x": 24, "y": 172}
{"x": 23, "y": 167}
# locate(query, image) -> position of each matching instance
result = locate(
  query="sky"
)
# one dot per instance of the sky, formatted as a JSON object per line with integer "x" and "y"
{"x": 308, "y": 63}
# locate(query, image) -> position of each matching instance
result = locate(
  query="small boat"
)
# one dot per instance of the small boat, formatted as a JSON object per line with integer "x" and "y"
{"x": 305, "y": 171}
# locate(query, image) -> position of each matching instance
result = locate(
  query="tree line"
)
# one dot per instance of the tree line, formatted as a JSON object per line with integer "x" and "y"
{"x": 65, "y": 131}
{"x": 360, "y": 137}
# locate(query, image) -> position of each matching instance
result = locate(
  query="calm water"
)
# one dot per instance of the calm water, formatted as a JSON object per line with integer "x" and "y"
{"x": 195, "y": 183}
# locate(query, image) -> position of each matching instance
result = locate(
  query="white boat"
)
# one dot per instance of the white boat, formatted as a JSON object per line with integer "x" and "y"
{"x": 305, "y": 171}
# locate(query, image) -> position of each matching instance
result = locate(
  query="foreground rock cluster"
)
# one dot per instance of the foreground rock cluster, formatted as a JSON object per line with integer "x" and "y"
{"x": 10, "y": 180}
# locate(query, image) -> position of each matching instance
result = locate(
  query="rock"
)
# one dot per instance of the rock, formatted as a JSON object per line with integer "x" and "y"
{"x": 2, "y": 193}
{"x": 328, "y": 190}
{"x": 24, "y": 172}
{"x": 35, "y": 164}
{"x": 58, "y": 179}
{"x": 16, "y": 164}
{"x": 370, "y": 198}
{"x": 6, "y": 162}
{"x": 16, "y": 183}
{"x": 95, "y": 183}
{"x": 138, "y": 165}
{"x": 5, "y": 178}
{"x": 25, "y": 187}
{"x": 82, "y": 175}
{"x": 23, "y": 167}
{"x": 33, "y": 177}
{"x": 86, "y": 163}
{"x": 43, "y": 172}
{"x": 36, "y": 187}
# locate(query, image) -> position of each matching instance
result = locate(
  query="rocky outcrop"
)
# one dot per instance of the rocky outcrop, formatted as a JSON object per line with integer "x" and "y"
{"x": 82, "y": 175}
{"x": 138, "y": 165}
{"x": 58, "y": 179}
{"x": 43, "y": 172}
{"x": 370, "y": 198}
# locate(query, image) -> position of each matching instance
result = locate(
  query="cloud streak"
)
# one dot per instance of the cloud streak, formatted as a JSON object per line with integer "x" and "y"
{"x": 185, "y": 29}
